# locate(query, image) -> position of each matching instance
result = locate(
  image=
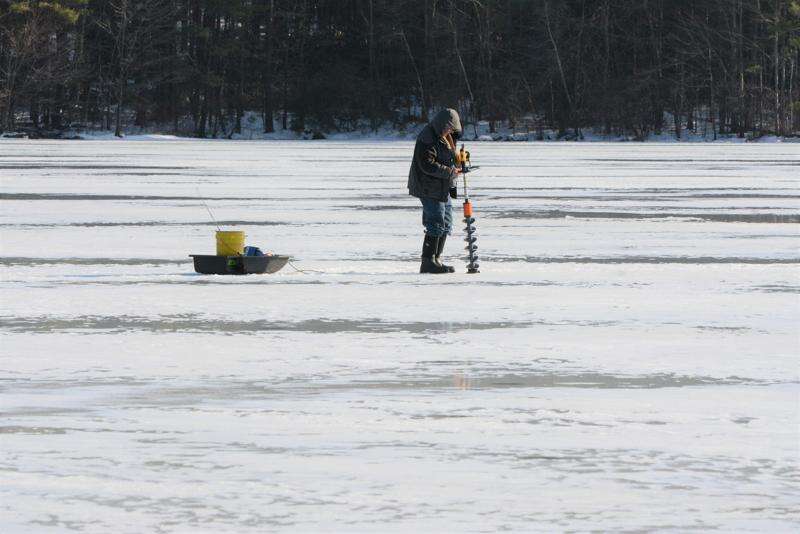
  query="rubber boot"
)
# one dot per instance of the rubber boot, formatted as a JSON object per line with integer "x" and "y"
{"x": 428, "y": 264}
{"x": 439, "y": 249}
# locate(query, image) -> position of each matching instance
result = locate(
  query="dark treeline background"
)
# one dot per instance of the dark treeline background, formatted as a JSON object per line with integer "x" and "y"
{"x": 630, "y": 67}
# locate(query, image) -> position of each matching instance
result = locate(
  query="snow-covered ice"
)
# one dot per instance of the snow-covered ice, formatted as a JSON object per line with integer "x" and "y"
{"x": 626, "y": 360}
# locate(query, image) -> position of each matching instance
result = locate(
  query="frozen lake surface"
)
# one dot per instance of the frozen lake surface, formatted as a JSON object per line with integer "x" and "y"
{"x": 627, "y": 359}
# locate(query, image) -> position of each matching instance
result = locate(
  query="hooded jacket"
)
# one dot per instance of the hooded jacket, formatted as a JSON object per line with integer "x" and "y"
{"x": 433, "y": 171}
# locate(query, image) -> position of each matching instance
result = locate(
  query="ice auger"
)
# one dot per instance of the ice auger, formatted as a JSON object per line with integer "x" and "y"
{"x": 469, "y": 220}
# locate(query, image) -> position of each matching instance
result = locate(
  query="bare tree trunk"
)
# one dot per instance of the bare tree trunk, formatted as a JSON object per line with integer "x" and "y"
{"x": 777, "y": 61}
{"x": 422, "y": 99}
{"x": 427, "y": 104}
{"x": 118, "y": 111}
{"x": 711, "y": 94}
{"x": 454, "y": 29}
{"x": 8, "y": 120}
{"x": 558, "y": 58}
{"x": 373, "y": 72}
{"x": 237, "y": 124}
{"x": 606, "y": 61}
{"x": 201, "y": 125}
{"x": 792, "y": 68}
{"x": 268, "y": 73}
{"x": 121, "y": 8}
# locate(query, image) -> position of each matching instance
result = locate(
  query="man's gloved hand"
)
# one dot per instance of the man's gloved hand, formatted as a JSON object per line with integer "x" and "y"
{"x": 454, "y": 176}
{"x": 454, "y": 182}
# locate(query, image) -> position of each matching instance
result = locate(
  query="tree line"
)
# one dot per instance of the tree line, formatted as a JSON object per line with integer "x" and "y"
{"x": 627, "y": 67}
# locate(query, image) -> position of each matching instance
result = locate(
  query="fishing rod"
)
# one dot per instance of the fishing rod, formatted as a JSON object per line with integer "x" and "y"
{"x": 203, "y": 200}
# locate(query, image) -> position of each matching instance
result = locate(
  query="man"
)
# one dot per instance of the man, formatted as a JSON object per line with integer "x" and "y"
{"x": 432, "y": 179}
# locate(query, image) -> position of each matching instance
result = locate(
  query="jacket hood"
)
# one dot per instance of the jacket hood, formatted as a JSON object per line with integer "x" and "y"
{"x": 443, "y": 119}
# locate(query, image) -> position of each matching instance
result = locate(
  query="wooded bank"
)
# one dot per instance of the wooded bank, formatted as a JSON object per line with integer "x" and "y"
{"x": 196, "y": 66}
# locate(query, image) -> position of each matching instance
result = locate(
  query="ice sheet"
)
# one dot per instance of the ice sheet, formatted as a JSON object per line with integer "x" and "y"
{"x": 626, "y": 360}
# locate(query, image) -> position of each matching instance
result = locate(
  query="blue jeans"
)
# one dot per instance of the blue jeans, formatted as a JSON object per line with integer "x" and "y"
{"x": 437, "y": 217}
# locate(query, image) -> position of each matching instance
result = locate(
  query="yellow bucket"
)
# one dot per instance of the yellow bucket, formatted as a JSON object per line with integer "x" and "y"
{"x": 230, "y": 243}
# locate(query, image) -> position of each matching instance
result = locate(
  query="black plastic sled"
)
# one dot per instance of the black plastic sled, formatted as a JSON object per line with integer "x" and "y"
{"x": 207, "y": 264}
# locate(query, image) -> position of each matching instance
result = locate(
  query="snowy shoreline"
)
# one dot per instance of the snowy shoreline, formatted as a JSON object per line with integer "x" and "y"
{"x": 252, "y": 129}
{"x": 355, "y": 137}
